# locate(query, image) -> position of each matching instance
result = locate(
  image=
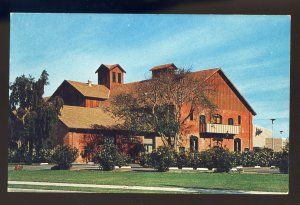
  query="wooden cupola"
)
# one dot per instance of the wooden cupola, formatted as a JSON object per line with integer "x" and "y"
{"x": 110, "y": 75}
{"x": 161, "y": 70}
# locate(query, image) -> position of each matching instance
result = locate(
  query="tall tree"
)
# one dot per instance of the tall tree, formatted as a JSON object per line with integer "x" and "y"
{"x": 157, "y": 105}
{"x": 32, "y": 117}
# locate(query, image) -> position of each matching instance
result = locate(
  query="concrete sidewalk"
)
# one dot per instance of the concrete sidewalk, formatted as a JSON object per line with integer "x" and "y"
{"x": 164, "y": 189}
{"x": 43, "y": 190}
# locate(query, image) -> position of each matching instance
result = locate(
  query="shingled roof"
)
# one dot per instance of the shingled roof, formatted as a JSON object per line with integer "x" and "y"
{"x": 110, "y": 67}
{"x": 165, "y": 66}
{"x": 86, "y": 118}
{"x": 93, "y": 90}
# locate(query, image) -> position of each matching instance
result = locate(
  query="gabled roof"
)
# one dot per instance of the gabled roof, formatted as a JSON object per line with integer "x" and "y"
{"x": 86, "y": 118}
{"x": 110, "y": 67}
{"x": 204, "y": 74}
{"x": 94, "y": 91}
{"x": 165, "y": 66}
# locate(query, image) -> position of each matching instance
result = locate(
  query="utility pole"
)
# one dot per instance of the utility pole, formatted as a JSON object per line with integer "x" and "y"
{"x": 272, "y": 133}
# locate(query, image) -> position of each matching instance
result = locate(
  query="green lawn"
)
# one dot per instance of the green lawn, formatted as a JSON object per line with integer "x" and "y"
{"x": 235, "y": 181}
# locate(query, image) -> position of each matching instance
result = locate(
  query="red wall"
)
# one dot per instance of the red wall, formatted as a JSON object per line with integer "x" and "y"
{"x": 229, "y": 106}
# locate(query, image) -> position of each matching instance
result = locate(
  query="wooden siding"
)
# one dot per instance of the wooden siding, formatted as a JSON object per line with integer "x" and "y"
{"x": 225, "y": 97}
{"x": 116, "y": 70}
{"x": 229, "y": 106}
{"x": 70, "y": 95}
{"x": 91, "y": 103}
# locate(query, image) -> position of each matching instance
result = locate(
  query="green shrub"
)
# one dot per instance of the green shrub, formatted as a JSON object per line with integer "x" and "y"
{"x": 12, "y": 155}
{"x": 144, "y": 160}
{"x": 109, "y": 156}
{"x": 162, "y": 158}
{"x": 43, "y": 155}
{"x": 19, "y": 155}
{"x": 282, "y": 161}
{"x": 64, "y": 156}
{"x": 218, "y": 158}
{"x": 265, "y": 157}
{"x": 202, "y": 160}
{"x": 182, "y": 159}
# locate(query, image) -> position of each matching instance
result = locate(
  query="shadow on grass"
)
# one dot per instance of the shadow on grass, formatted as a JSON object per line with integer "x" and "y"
{"x": 208, "y": 190}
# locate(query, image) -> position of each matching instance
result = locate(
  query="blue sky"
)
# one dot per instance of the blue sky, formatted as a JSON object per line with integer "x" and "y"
{"x": 252, "y": 50}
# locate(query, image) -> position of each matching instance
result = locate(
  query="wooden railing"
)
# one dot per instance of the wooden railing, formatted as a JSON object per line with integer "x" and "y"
{"x": 220, "y": 128}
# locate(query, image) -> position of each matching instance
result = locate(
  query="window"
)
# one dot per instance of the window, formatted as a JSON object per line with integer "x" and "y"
{"x": 119, "y": 77}
{"x": 202, "y": 119}
{"x": 237, "y": 145}
{"x": 194, "y": 143}
{"x": 217, "y": 119}
{"x": 148, "y": 145}
{"x": 230, "y": 121}
{"x": 192, "y": 116}
{"x": 114, "y": 77}
{"x": 239, "y": 120}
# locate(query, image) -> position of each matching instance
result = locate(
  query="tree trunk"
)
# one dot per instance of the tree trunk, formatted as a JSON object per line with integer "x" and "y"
{"x": 30, "y": 150}
{"x": 175, "y": 141}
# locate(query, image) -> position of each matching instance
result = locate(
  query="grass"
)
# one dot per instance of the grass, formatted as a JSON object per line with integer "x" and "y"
{"x": 247, "y": 182}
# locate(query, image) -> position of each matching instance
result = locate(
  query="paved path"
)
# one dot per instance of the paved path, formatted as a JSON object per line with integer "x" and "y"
{"x": 43, "y": 190}
{"x": 165, "y": 189}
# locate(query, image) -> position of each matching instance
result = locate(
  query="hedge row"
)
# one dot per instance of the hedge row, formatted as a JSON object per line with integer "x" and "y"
{"x": 61, "y": 155}
{"x": 219, "y": 158}
{"x": 162, "y": 158}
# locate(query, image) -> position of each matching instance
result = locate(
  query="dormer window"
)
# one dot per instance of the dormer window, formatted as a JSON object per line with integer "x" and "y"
{"x": 114, "y": 77}
{"x": 119, "y": 78}
{"x": 217, "y": 119}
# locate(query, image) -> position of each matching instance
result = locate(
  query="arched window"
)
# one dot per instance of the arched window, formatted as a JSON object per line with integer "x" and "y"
{"x": 194, "y": 143}
{"x": 239, "y": 120}
{"x": 217, "y": 119}
{"x": 237, "y": 145}
{"x": 192, "y": 116}
{"x": 202, "y": 119}
{"x": 230, "y": 121}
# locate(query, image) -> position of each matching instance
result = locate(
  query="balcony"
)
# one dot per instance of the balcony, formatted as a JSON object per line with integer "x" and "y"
{"x": 220, "y": 129}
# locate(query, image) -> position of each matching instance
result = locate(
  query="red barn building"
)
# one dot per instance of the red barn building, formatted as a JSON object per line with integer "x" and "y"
{"x": 83, "y": 114}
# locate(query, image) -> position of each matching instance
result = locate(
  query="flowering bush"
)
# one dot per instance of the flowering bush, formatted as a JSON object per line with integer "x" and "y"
{"x": 18, "y": 155}
{"x": 44, "y": 155}
{"x": 64, "y": 156}
{"x": 162, "y": 158}
{"x": 109, "y": 156}
{"x": 12, "y": 155}
{"x": 264, "y": 158}
{"x": 144, "y": 160}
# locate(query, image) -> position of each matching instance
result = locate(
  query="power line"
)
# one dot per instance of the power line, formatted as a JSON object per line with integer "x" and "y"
{"x": 270, "y": 118}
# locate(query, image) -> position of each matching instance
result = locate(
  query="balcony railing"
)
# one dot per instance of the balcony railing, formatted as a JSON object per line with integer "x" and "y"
{"x": 220, "y": 129}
